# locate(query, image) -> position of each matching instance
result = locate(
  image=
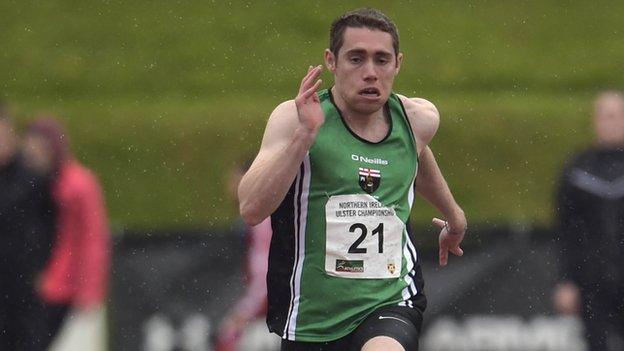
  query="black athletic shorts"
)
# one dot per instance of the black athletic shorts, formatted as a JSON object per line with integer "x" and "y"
{"x": 401, "y": 323}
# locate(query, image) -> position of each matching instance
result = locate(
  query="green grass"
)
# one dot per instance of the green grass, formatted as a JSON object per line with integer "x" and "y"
{"x": 200, "y": 48}
{"x": 162, "y": 98}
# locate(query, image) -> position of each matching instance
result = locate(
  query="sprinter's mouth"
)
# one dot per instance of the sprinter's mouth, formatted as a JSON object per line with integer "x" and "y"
{"x": 370, "y": 92}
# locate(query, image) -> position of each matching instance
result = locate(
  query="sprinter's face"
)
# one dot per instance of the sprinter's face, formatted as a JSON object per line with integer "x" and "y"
{"x": 364, "y": 68}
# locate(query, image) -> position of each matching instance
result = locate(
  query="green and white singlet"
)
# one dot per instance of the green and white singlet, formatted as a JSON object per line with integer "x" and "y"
{"x": 340, "y": 248}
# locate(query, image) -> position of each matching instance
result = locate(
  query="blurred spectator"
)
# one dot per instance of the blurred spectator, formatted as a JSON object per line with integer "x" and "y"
{"x": 590, "y": 206}
{"x": 26, "y": 230}
{"x": 76, "y": 277}
{"x": 253, "y": 303}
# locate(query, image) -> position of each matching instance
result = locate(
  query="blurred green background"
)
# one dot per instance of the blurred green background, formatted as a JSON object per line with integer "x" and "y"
{"x": 162, "y": 98}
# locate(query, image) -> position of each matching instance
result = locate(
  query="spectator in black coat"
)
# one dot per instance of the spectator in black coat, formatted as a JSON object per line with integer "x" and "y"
{"x": 26, "y": 232}
{"x": 590, "y": 208}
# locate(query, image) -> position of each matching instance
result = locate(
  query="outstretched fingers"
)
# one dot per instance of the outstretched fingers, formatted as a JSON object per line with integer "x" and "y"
{"x": 312, "y": 76}
{"x": 312, "y": 90}
{"x": 440, "y": 223}
{"x": 443, "y": 250}
{"x": 303, "y": 80}
{"x": 443, "y": 254}
{"x": 457, "y": 251}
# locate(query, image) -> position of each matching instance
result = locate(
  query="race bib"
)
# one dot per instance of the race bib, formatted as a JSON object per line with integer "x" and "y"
{"x": 363, "y": 238}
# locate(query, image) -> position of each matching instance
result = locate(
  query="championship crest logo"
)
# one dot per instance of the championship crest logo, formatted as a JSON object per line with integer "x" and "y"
{"x": 369, "y": 179}
{"x": 391, "y": 268}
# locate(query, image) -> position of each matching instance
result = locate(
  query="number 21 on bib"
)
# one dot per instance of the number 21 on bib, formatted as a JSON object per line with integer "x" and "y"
{"x": 363, "y": 238}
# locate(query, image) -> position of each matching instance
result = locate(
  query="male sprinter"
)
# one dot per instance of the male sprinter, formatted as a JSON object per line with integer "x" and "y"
{"x": 336, "y": 173}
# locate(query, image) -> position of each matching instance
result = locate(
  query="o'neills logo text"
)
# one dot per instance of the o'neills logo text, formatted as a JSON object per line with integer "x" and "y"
{"x": 375, "y": 160}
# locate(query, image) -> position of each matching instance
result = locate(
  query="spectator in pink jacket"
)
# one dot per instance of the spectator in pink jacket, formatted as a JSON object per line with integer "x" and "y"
{"x": 252, "y": 305}
{"x": 76, "y": 275}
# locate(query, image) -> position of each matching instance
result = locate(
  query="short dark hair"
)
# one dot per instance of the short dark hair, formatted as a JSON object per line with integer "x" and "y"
{"x": 364, "y": 17}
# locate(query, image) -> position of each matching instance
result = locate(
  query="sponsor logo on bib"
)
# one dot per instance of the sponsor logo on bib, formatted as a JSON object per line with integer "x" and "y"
{"x": 369, "y": 179}
{"x": 353, "y": 266}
